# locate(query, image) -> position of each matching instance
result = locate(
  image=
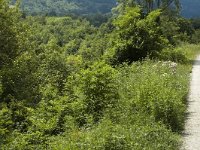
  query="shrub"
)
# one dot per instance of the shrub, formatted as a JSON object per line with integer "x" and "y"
{"x": 6, "y": 123}
{"x": 99, "y": 87}
{"x": 175, "y": 55}
{"x": 109, "y": 136}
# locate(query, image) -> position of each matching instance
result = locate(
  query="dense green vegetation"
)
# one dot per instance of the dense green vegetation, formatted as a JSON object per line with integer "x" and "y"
{"x": 66, "y": 7}
{"x": 99, "y": 7}
{"x": 66, "y": 84}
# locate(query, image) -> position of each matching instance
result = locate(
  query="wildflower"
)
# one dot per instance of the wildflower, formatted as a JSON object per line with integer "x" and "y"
{"x": 173, "y": 66}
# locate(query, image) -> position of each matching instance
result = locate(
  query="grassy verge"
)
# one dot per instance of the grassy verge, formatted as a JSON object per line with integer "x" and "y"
{"x": 190, "y": 50}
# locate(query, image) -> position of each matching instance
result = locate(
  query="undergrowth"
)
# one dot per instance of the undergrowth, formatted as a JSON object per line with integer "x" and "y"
{"x": 138, "y": 106}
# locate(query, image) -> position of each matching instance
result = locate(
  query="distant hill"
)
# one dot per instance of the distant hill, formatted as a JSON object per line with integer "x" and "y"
{"x": 65, "y": 7}
{"x": 191, "y": 8}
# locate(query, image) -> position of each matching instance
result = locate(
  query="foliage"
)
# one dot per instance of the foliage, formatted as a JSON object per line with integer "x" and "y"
{"x": 99, "y": 87}
{"x": 63, "y": 7}
{"x": 175, "y": 55}
{"x": 8, "y": 33}
{"x": 195, "y": 37}
{"x": 156, "y": 101}
{"x": 195, "y": 23}
{"x": 110, "y": 136}
{"x": 137, "y": 36}
{"x": 58, "y": 89}
{"x": 5, "y": 123}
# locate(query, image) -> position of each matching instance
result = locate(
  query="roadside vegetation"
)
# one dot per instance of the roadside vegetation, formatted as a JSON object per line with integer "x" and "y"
{"x": 68, "y": 85}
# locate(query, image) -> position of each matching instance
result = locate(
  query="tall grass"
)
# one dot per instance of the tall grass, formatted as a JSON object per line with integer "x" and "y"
{"x": 149, "y": 113}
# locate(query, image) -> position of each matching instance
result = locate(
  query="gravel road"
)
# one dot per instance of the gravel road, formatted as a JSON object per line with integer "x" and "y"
{"x": 191, "y": 135}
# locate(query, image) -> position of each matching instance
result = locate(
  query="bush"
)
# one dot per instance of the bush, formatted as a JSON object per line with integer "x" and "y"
{"x": 6, "y": 123}
{"x": 175, "y": 55}
{"x": 99, "y": 88}
{"x": 109, "y": 136}
{"x": 196, "y": 37}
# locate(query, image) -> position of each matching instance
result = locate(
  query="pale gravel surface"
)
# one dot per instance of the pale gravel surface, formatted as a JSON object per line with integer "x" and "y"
{"x": 191, "y": 135}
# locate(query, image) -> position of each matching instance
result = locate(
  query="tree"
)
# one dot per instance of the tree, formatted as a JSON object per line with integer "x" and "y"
{"x": 150, "y": 5}
{"x": 137, "y": 36}
{"x": 18, "y": 62}
{"x": 8, "y": 34}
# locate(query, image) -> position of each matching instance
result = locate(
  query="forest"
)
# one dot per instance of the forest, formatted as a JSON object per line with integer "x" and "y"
{"x": 63, "y": 7}
{"x": 73, "y": 82}
{"x": 91, "y": 7}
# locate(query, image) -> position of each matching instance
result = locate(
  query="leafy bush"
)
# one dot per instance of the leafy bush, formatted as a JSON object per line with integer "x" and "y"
{"x": 58, "y": 93}
{"x": 196, "y": 37}
{"x": 63, "y": 7}
{"x": 175, "y": 55}
{"x": 107, "y": 136}
{"x": 6, "y": 123}
{"x": 98, "y": 86}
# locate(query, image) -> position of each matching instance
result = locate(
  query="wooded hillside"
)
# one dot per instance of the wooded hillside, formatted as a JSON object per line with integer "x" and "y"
{"x": 66, "y": 7}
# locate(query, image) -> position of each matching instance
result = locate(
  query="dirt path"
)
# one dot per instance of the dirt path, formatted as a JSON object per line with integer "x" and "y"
{"x": 191, "y": 136}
